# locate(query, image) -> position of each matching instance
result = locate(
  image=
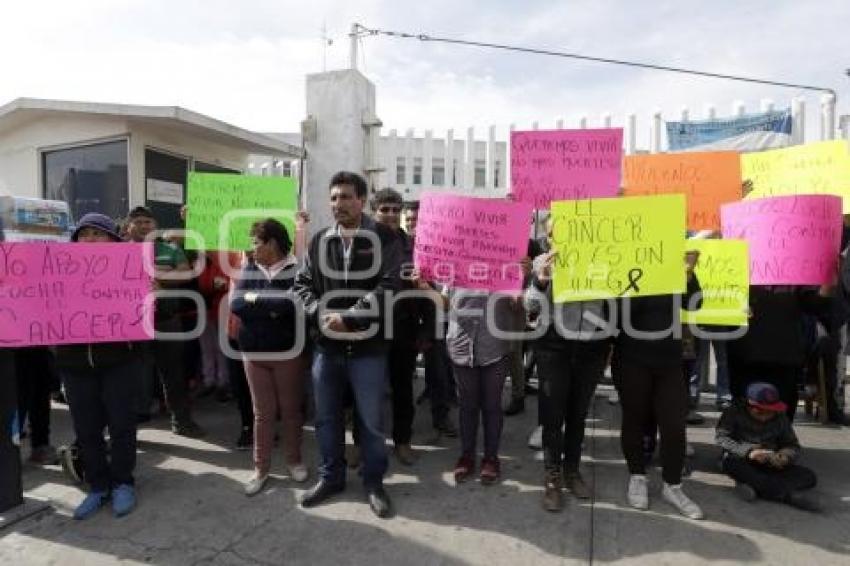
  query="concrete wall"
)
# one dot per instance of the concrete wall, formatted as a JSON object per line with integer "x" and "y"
{"x": 338, "y": 101}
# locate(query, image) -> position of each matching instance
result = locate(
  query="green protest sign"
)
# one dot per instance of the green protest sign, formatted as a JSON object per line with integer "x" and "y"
{"x": 223, "y": 206}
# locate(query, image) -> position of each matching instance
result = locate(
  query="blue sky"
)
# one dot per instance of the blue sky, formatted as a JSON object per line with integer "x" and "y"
{"x": 244, "y": 62}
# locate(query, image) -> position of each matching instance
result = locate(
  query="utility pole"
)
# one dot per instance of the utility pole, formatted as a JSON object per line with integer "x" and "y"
{"x": 326, "y": 41}
{"x": 354, "y": 36}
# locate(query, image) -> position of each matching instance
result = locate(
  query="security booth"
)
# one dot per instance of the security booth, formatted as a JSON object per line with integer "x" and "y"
{"x": 109, "y": 158}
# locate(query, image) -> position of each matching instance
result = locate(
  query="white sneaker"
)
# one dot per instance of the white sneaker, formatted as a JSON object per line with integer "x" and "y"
{"x": 674, "y": 495}
{"x": 255, "y": 484}
{"x": 638, "y": 494}
{"x": 298, "y": 472}
{"x": 535, "y": 439}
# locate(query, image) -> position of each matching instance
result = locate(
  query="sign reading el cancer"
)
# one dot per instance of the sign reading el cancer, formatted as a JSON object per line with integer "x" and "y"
{"x": 551, "y": 165}
{"x": 723, "y": 272}
{"x": 223, "y": 206}
{"x": 794, "y": 240}
{"x": 618, "y": 247}
{"x": 472, "y": 243}
{"x": 74, "y": 293}
{"x": 707, "y": 179}
{"x": 813, "y": 168}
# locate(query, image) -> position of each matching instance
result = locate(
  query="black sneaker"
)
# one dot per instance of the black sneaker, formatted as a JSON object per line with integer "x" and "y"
{"x": 188, "y": 428}
{"x": 694, "y": 418}
{"x": 515, "y": 407}
{"x": 246, "y": 439}
{"x": 805, "y": 501}
{"x": 745, "y": 491}
{"x": 446, "y": 428}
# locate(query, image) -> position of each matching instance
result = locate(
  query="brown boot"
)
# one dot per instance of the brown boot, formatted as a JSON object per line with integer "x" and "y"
{"x": 574, "y": 483}
{"x": 553, "y": 499}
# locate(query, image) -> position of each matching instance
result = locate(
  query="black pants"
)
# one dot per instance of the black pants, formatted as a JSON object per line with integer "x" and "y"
{"x": 168, "y": 358}
{"x": 11, "y": 490}
{"x": 35, "y": 382}
{"x": 98, "y": 398}
{"x": 239, "y": 384}
{"x": 439, "y": 378}
{"x": 769, "y": 483}
{"x": 826, "y": 351}
{"x": 648, "y": 393}
{"x": 568, "y": 380}
{"x": 401, "y": 365}
{"x": 783, "y": 377}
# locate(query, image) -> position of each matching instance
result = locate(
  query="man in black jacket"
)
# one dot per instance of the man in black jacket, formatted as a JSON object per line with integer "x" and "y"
{"x": 407, "y": 324}
{"x": 348, "y": 273}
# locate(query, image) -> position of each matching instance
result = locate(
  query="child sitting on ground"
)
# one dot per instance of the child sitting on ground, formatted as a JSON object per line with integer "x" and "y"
{"x": 760, "y": 450}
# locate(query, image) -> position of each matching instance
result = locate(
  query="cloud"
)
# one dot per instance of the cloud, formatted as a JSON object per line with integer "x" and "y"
{"x": 245, "y": 62}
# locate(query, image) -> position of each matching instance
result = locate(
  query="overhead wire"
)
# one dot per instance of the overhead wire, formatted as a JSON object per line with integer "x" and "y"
{"x": 364, "y": 31}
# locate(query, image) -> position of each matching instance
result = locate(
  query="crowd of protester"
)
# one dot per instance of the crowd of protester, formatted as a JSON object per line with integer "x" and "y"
{"x": 328, "y": 325}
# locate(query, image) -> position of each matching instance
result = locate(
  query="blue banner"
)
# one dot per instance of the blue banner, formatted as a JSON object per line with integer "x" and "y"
{"x": 768, "y": 127}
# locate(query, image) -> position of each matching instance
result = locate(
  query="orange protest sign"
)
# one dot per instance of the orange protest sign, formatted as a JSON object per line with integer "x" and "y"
{"x": 707, "y": 179}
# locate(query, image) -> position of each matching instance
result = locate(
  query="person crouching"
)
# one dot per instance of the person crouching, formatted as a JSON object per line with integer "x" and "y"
{"x": 760, "y": 450}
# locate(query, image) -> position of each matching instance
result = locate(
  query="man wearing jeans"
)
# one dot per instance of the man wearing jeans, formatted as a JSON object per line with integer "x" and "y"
{"x": 349, "y": 270}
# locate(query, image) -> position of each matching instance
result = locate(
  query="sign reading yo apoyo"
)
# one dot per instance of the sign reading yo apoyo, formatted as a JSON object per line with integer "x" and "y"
{"x": 74, "y": 293}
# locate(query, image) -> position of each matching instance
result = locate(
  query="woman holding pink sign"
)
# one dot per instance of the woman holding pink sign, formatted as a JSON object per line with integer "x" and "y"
{"x": 99, "y": 383}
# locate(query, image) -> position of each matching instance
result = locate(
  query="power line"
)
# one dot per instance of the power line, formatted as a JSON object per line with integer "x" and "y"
{"x": 362, "y": 30}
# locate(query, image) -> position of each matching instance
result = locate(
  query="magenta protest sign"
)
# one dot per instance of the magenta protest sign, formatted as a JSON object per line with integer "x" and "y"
{"x": 550, "y": 165}
{"x": 74, "y": 293}
{"x": 472, "y": 243}
{"x": 794, "y": 240}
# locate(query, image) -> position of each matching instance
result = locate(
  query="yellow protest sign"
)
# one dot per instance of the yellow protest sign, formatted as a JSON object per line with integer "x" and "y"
{"x": 813, "y": 168}
{"x": 618, "y": 247}
{"x": 724, "y": 275}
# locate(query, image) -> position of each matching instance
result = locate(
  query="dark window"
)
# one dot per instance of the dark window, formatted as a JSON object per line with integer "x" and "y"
{"x": 90, "y": 178}
{"x": 202, "y": 167}
{"x": 480, "y": 173}
{"x": 417, "y": 170}
{"x": 438, "y": 172}
{"x": 165, "y": 170}
{"x": 400, "y": 171}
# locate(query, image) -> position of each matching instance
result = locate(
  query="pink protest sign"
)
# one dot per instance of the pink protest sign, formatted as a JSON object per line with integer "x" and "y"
{"x": 74, "y": 293}
{"x": 550, "y": 165}
{"x": 794, "y": 240}
{"x": 472, "y": 243}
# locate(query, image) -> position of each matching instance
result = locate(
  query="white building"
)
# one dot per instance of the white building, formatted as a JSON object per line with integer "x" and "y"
{"x": 111, "y": 157}
{"x": 413, "y": 164}
{"x": 402, "y": 165}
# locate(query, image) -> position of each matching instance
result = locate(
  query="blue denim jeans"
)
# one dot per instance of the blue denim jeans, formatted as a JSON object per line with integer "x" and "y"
{"x": 368, "y": 378}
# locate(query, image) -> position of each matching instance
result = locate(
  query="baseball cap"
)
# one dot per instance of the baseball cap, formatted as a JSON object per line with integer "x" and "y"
{"x": 765, "y": 397}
